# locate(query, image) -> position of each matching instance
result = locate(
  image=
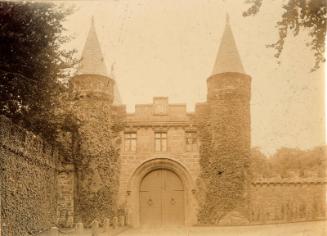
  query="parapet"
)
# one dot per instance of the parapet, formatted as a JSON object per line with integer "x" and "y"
{"x": 288, "y": 181}
{"x": 159, "y": 110}
{"x": 89, "y": 85}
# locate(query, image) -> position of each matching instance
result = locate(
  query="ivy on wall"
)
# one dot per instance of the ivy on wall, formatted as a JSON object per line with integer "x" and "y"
{"x": 28, "y": 168}
{"x": 224, "y": 158}
{"x": 97, "y": 160}
{"x": 222, "y": 179}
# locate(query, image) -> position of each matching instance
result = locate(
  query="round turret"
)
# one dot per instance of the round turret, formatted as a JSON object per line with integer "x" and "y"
{"x": 229, "y": 102}
{"x": 229, "y": 84}
{"x": 90, "y": 85}
{"x": 229, "y": 132}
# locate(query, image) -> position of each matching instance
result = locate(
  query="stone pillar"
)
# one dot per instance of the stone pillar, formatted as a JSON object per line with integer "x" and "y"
{"x": 79, "y": 228}
{"x": 106, "y": 225}
{"x": 65, "y": 204}
{"x": 115, "y": 222}
{"x": 122, "y": 220}
{"x": 95, "y": 228}
{"x": 127, "y": 219}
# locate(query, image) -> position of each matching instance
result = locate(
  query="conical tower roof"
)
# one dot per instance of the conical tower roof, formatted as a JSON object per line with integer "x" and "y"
{"x": 228, "y": 58}
{"x": 92, "y": 61}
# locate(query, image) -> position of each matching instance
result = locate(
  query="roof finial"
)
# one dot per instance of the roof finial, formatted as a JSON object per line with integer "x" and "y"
{"x": 92, "y": 20}
{"x": 227, "y": 18}
{"x": 112, "y": 70}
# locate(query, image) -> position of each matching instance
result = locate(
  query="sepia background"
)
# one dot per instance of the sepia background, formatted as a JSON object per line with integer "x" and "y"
{"x": 168, "y": 48}
{"x": 252, "y": 155}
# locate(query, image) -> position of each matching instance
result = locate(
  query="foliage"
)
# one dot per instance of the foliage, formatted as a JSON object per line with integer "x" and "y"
{"x": 223, "y": 179}
{"x": 27, "y": 176}
{"x": 96, "y": 157}
{"x": 32, "y": 62}
{"x": 260, "y": 165}
{"x": 299, "y": 15}
{"x": 99, "y": 183}
{"x": 289, "y": 162}
{"x": 94, "y": 204}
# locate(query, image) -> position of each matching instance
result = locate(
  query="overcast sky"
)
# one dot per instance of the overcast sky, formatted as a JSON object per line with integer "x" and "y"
{"x": 168, "y": 48}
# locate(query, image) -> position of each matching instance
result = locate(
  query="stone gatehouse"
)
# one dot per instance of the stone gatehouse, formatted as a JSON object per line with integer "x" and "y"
{"x": 160, "y": 163}
{"x": 159, "y": 159}
{"x": 160, "y": 146}
{"x": 159, "y": 151}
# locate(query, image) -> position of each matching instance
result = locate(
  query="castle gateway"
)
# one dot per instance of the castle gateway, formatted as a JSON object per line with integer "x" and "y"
{"x": 160, "y": 148}
{"x": 160, "y": 145}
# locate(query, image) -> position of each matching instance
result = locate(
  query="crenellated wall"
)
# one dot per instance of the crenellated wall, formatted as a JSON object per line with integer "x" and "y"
{"x": 28, "y": 170}
{"x": 288, "y": 200}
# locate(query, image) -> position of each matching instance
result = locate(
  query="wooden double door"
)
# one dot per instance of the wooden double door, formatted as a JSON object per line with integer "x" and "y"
{"x": 161, "y": 199}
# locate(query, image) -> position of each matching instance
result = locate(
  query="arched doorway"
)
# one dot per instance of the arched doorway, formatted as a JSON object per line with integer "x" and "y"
{"x": 161, "y": 199}
{"x": 145, "y": 168}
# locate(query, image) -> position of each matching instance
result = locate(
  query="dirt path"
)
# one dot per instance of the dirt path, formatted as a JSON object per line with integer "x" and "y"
{"x": 318, "y": 228}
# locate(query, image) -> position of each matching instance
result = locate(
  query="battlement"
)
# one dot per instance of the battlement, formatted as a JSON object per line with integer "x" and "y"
{"x": 287, "y": 181}
{"x": 90, "y": 85}
{"x": 159, "y": 111}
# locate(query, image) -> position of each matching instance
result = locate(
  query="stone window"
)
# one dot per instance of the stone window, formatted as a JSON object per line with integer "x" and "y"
{"x": 161, "y": 141}
{"x": 130, "y": 142}
{"x": 191, "y": 141}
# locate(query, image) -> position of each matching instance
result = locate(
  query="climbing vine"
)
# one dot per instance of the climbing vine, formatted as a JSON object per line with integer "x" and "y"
{"x": 224, "y": 161}
{"x": 97, "y": 145}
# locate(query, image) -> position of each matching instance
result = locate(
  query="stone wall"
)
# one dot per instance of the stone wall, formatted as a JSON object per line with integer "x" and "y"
{"x": 288, "y": 200}
{"x": 145, "y": 122}
{"x": 145, "y": 153}
{"x": 225, "y": 148}
{"x": 28, "y": 168}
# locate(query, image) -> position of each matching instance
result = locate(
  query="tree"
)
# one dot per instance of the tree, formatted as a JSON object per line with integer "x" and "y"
{"x": 299, "y": 15}
{"x": 289, "y": 162}
{"x": 260, "y": 165}
{"x": 32, "y": 63}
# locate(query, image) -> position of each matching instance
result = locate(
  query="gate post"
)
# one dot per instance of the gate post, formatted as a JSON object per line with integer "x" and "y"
{"x": 79, "y": 228}
{"x": 106, "y": 225}
{"x": 95, "y": 228}
{"x": 115, "y": 222}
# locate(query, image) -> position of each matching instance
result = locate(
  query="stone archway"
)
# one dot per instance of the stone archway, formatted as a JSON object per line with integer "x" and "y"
{"x": 133, "y": 198}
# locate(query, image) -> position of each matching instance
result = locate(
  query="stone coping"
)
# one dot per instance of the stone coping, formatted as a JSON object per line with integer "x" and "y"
{"x": 272, "y": 181}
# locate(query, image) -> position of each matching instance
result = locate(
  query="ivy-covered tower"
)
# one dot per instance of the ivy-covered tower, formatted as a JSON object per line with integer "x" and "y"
{"x": 228, "y": 98}
{"x": 96, "y": 158}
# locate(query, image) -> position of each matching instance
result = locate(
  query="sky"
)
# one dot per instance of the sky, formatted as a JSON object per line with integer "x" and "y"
{"x": 168, "y": 48}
